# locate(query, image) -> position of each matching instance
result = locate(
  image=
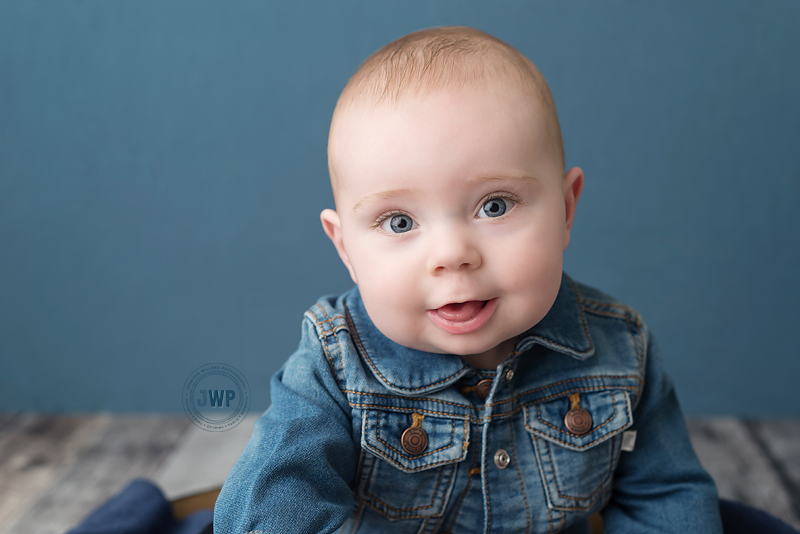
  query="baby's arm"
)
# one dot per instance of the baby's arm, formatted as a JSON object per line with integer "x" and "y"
{"x": 660, "y": 486}
{"x": 294, "y": 473}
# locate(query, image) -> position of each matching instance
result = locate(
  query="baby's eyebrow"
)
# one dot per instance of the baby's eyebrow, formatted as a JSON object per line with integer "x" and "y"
{"x": 502, "y": 178}
{"x": 384, "y": 195}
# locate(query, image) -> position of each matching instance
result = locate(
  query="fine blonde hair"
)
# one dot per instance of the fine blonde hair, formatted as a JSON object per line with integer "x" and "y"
{"x": 443, "y": 58}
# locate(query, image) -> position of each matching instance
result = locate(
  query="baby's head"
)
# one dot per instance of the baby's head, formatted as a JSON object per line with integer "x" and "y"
{"x": 453, "y": 205}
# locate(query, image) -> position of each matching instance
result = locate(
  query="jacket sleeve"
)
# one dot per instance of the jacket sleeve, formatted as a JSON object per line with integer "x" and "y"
{"x": 660, "y": 486}
{"x": 294, "y": 475}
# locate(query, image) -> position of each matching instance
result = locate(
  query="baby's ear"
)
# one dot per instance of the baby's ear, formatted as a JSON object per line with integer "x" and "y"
{"x": 333, "y": 229}
{"x": 573, "y": 185}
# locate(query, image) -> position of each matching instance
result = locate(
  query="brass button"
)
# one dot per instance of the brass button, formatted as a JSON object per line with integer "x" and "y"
{"x": 483, "y": 388}
{"x": 509, "y": 373}
{"x": 501, "y": 459}
{"x": 578, "y": 421}
{"x": 414, "y": 440}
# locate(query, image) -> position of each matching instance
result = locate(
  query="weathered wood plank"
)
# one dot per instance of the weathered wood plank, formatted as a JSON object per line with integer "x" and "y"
{"x": 6, "y": 418}
{"x": 780, "y": 438}
{"x": 739, "y": 466}
{"x": 33, "y": 449}
{"x": 189, "y": 470}
{"x": 129, "y": 446}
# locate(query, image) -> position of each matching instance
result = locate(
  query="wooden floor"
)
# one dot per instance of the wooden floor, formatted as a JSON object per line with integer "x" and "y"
{"x": 54, "y": 470}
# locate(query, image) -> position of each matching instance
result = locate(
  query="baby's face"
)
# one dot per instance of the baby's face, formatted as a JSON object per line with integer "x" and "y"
{"x": 452, "y": 219}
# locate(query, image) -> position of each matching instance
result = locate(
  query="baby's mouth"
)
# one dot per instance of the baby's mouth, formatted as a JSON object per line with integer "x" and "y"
{"x": 463, "y": 317}
{"x": 461, "y": 311}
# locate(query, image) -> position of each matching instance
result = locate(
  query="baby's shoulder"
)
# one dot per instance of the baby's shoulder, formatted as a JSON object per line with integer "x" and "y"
{"x": 328, "y": 314}
{"x": 598, "y": 308}
{"x": 592, "y": 299}
{"x": 328, "y": 336}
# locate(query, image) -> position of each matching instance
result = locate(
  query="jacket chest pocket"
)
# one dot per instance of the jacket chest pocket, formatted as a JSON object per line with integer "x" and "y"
{"x": 409, "y": 464}
{"x": 577, "y": 440}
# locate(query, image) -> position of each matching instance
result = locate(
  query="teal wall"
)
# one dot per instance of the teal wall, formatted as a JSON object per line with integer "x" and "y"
{"x": 162, "y": 167}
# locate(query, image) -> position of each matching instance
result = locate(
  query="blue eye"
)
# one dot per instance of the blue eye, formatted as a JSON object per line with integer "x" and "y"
{"x": 494, "y": 207}
{"x": 398, "y": 224}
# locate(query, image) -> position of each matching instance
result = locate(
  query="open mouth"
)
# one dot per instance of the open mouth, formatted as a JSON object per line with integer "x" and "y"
{"x": 461, "y": 311}
{"x": 463, "y": 317}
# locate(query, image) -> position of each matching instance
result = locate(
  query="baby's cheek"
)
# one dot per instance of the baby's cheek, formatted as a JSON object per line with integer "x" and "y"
{"x": 394, "y": 277}
{"x": 394, "y": 324}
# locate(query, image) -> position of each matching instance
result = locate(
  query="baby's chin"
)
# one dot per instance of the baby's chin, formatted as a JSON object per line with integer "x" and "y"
{"x": 455, "y": 344}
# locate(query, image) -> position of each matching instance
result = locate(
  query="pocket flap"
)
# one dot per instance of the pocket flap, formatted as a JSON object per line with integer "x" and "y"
{"x": 610, "y": 412}
{"x": 382, "y": 435}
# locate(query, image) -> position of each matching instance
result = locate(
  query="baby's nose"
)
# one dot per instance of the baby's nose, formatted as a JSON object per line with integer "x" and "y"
{"x": 453, "y": 251}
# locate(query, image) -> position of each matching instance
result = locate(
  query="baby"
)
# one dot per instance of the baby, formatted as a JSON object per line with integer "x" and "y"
{"x": 465, "y": 384}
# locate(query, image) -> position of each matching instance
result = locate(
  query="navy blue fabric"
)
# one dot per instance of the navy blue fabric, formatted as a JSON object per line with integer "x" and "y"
{"x": 738, "y": 518}
{"x": 141, "y": 508}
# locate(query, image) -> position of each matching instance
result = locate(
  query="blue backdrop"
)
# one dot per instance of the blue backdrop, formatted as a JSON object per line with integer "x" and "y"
{"x": 163, "y": 165}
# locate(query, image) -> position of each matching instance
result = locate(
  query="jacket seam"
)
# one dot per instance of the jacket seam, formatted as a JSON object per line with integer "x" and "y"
{"x": 527, "y": 392}
{"x": 583, "y": 323}
{"x": 492, "y": 416}
{"x": 323, "y": 340}
{"x": 530, "y": 391}
{"x": 519, "y": 474}
{"x": 608, "y": 313}
{"x": 357, "y": 518}
{"x": 463, "y": 495}
{"x": 426, "y": 399}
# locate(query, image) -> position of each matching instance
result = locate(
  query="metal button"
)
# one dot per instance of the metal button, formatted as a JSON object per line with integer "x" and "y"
{"x": 578, "y": 421}
{"x": 483, "y": 388}
{"x": 509, "y": 374}
{"x": 414, "y": 440}
{"x": 501, "y": 459}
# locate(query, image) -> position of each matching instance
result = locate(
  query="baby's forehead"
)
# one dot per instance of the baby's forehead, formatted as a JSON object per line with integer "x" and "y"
{"x": 415, "y": 110}
{"x": 448, "y": 134}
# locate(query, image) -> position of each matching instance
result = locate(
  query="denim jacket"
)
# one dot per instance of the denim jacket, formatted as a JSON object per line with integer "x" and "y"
{"x": 579, "y": 418}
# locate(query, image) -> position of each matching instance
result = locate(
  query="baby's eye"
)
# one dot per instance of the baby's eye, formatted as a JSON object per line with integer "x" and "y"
{"x": 494, "y": 207}
{"x": 398, "y": 224}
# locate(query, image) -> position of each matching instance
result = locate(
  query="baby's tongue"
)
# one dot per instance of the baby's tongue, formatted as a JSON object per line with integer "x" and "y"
{"x": 463, "y": 311}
